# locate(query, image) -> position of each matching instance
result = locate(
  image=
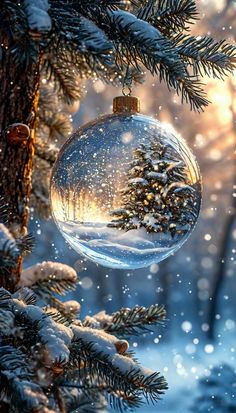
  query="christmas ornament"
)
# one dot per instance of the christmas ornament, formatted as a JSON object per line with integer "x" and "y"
{"x": 125, "y": 191}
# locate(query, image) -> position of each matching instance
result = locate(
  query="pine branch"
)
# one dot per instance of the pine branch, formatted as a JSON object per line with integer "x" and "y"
{"x": 25, "y": 243}
{"x": 6, "y": 322}
{"x": 37, "y": 15}
{"x": 86, "y": 401}
{"x": 55, "y": 127}
{"x": 35, "y": 331}
{"x": 64, "y": 79}
{"x": 78, "y": 42}
{"x": 121, "y": 373}
{"x": 3, "y": 211}
{"x": 9, "y": 251}
{"x": 89, "y": 397}
{"x": 207, "y": 56}
{"x": 54, "y": 123}
{"x": 141, "y": 43}
{"x": 86, "y": 65}
{"x": 84, "y": 358}
{"x": 49, "y": 277}
{"x": 79, "y": 30}
{"x": 25, "y": 295}
{"x": 16, "y": 34}
{"x": 43, "y": 288}
{"x": 169, "y": 15}
{"x": 14, "y": 361}
{"x": 63, "y": 312}
{"x": 126, "y": 322}
{"x": 189, "y": 88}
{"x": 15, "y": 382}
{"x": 123, "y": 401}
{"x": 39, "y": 199}
{"x": 100, "y": 38}
{"x": 11, "y": 248}
{"x": 117, "y": 370}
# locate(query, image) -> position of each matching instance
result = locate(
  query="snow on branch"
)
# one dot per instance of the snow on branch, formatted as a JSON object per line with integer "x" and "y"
{"x": 80, "y": 357}
{"x": 134, "y": 32}
{"x": 37, "y": 14}
{"x": 102, "y": 342}
{"x": 11, "y": 248}
{"x": 15, "y": 381}
{"x": 9, "y": 251}
{"x": 65, "y": 312}
{"x": 49, "y": 277}
{"x": 96, "y": 351}
{"x": 136, "y": 38}
{"x": 99, "y": 320}
{"x": 52, "y": 337}
{"x": 92, "y": 38}
{"x": 7, "y": 241}
{"x": 126, "y": 321}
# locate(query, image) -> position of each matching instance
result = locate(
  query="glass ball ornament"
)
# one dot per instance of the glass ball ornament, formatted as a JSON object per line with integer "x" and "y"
{"x": 125, "y": 190}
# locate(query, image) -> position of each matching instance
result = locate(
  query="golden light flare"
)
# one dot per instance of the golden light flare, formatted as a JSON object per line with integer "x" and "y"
{"x": 83, "y": 206}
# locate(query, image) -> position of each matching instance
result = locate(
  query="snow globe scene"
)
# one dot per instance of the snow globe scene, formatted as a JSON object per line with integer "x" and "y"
{"x": 125, "y": 191}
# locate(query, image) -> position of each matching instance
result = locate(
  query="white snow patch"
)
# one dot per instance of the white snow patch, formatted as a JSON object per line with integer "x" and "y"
{"x": 116, "y": 248}
{"x": 37, "y": 14}
{"x": 45, "y": 271}
{"x": 8, "y": 242}
{"x": 103, "y": 342}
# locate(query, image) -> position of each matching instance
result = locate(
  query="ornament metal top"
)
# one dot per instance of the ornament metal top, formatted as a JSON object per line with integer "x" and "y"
{"x": 125, "y": 191}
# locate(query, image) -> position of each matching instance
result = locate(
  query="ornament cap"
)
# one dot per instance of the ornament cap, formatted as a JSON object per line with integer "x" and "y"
{"x": 126, "y": 104}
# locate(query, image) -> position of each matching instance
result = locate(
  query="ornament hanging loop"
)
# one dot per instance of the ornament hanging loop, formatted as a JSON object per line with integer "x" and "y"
{"x": 126, "y": 103}
{"x": 127, "y": 83}
{"x": 126, "y": 90}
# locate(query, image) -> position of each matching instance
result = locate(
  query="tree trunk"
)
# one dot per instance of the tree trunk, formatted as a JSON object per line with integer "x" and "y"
{"x": 219, "y": 277}
{"x": 19, "y": 98}
{"x": 224, "y": 246}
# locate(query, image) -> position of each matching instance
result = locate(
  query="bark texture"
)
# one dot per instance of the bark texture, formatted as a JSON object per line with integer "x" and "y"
{"x": 18, "y": 103}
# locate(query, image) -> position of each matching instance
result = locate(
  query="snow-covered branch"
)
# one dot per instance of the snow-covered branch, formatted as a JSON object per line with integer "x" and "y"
{"x": 51, "y": 275}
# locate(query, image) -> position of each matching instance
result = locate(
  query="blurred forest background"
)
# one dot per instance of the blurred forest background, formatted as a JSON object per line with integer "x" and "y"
{"x": 197, "y": 285}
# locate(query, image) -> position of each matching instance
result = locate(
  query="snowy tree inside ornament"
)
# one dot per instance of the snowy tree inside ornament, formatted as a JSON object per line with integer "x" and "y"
{"x": 125, "y": 191}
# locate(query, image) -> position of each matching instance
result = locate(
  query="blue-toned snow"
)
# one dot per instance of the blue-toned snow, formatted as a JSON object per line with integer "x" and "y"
{"x": 113, "y": 248}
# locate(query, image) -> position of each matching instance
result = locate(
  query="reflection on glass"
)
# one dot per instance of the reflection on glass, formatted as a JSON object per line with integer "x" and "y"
{"x": 125, "y": 191}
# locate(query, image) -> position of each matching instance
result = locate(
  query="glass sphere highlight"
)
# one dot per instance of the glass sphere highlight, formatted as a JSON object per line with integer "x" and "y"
{"x": 125, "y": 191}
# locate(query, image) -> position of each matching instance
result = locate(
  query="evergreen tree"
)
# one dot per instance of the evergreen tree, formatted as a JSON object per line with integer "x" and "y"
{"x": 158, "y": 196}
{"x": 54, "y": 361}
{"x": 50, "y": 359}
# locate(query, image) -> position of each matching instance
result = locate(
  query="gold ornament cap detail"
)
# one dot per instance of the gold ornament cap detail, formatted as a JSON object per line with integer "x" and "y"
{"x": 126, "y": 104}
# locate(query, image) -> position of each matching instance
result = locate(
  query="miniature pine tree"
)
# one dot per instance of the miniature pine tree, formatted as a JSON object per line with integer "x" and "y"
{"x": 158, "y": 196}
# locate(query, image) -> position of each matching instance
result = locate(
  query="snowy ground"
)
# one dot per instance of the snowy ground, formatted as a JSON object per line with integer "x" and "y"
{"x": 182, "y": 365}
{"x": 118, "y": 249}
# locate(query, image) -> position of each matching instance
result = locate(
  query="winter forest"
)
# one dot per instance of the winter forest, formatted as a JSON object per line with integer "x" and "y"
{"x": 117, "y": 223}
